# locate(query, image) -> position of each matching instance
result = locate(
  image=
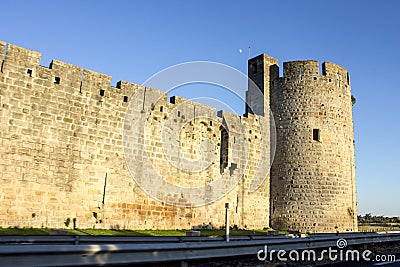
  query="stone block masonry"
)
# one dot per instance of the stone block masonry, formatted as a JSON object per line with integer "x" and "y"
{"x": 313, "y": 175}
{"x": 62, "y": 149}
{"x": 62, "y": 152}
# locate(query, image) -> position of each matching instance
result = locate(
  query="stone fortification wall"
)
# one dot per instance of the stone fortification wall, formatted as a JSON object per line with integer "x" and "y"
{"x": 73, "y": 146}
{"x": 62, "y": 153}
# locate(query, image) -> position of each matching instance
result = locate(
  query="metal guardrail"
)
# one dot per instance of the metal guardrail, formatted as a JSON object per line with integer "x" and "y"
{"x": 87, "y": 239}
{"x": 118, "y": 250}
{"x": 80, "y": 240}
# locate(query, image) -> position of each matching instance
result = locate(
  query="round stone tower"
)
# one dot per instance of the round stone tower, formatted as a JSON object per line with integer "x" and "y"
{"x": 313, "y": 174}
{"x": 313, "y": 187}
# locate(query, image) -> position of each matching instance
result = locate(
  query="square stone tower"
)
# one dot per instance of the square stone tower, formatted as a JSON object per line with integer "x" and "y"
{"x": 262, "y": 71}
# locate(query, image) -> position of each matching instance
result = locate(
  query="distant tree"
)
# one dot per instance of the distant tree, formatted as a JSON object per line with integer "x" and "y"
{"x": 368, "y": 219}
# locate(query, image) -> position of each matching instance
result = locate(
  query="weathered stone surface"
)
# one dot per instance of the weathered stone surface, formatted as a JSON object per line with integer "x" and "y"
{"x": 62, "y": 154}
{"x": 62, "y": 140}
{"x": 313, "y": 186}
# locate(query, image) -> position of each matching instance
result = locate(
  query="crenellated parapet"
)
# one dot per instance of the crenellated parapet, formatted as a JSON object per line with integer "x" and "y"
{"x": 74, "y": 146}
{"x": 309, "y": 70}
{"x": 65, "y": 134}
{"x": 74, "y": 79}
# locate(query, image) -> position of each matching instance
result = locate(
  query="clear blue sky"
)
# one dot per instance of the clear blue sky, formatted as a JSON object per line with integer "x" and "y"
{"x": 132, "y": 40}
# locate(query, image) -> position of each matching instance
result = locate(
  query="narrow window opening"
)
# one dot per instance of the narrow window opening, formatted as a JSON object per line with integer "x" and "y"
{"x": 301, "y": 72}
{"x": 82, "y": 77}
{"x": 316, "y": 135}
{"x": 330, "y": 80}
{"x": 125, "y": 99}
{"x": 323, "y": 69}
{"x": 224, "y": 150}
{"x": 210, "y": 123}
{"x": 232, "y": 168}
{"x": 29, "y": 73}
{"x": 179, "y": 113}
{"x": 144, "y": 98}
{"x": 102, "y": 92}
{"x": 57, "y": 80}
{"x": 161, "y": 108}
{"x": 237, "y": 203}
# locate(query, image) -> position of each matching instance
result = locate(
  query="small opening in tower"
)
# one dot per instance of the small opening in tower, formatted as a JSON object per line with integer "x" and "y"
{"x": 179, "y": 113}
{"x": 316, "y": 135}
{"x": 29, "y": 73}
{"x": 161, "y": 108}
{"x": 210, "y": 123}
{"x": 254, "y": 68}
{"x": 102, "y": 92}
{"x": 125, "y": 98}
{"x": 301, "y": 72}
{"x": 57, "y": 80}
{"x": 323, "y": 69}
{"x": 315, "y": 78}
{"x": 223, "y": 156}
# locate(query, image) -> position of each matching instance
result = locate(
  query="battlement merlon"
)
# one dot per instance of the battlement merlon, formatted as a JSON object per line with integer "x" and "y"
{"x": 96, "y": 79}
{"x": 62, "y": 68}
{"x": 21, "y": 56}
{"x": 128, "y": 88}
{"x": 300, "y": 68}
{"x": 335, "y": 71}
{"x": 69, "y": 76}
{"x": 2, "y": 47}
